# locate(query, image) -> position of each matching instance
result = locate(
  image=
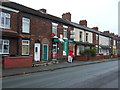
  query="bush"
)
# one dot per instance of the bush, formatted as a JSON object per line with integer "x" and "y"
{"x": 91, "y": 52}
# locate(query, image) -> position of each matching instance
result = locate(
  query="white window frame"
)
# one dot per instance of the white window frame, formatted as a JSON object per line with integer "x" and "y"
{"x": 3, "y": 46}
{"x": 27, "y": 45}
{"x": 54, "y": 28}
{"x": 5, "y": 16}
{"x": 25, "y": 21}
{"x": 81, "y": 33}
{"x": 65, "y": 34}
{"x": 97, "y": 37}
{"x": 87, "y": 36}
{"x": 114, "y": 42}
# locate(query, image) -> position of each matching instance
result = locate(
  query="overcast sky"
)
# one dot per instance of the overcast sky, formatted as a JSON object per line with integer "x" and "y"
{"x": 100, "y": 13}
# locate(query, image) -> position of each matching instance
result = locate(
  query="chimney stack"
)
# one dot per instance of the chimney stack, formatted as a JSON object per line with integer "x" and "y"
{"x": 106, "y": 32}
{"x": 83, "y": 23}
{"x": 95, "y": 28}
{"x": 43, "y": 10}
{"x": 66, "y": 16}
{"x": 115, "y": 35}
{"x": 112, "y": 34}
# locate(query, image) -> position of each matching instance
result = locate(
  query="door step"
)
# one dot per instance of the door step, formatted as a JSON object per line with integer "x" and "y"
{"x": 36, "y": 64}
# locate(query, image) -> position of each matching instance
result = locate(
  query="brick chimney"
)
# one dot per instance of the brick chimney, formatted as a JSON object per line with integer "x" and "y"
{"x": 112, "y": 34}
{"x": 106, "y": 32}
{"x": 66, "y": 16}
{"x": 83, "y": 22}
{"x": 115, "y": 35}
{"x": 43, "y": 10}
{"x": 95, "y": 28}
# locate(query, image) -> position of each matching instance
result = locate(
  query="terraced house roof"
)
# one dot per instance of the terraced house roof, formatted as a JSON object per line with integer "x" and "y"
{"x": 31, "y": 11}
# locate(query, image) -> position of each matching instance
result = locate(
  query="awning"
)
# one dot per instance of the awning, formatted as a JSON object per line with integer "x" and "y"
{"x": 56, "y": 40}
{"x": 69, "y": 41}
{"x": 61, "y": 40}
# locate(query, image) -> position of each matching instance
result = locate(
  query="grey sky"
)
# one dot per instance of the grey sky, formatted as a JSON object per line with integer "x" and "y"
{"x": 101, "y": 13}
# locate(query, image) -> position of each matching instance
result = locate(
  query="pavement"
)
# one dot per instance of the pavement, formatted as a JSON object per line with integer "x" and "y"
{"x": 60, "y": 65}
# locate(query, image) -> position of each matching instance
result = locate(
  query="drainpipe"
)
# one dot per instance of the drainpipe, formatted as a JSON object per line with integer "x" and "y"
{"x": 98, "y": 43}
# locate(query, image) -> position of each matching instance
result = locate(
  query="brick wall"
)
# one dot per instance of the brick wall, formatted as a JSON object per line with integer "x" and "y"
{"x": 40, "y": 30}
{"x": 17, "y": 62}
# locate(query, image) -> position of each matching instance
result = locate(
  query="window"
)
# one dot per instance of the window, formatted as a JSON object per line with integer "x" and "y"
{"x": 80, "y": 36}
{"x": 65, "y": 33}
{"x": 96, "y": 37}
{"x": 81, "y": 49}
{"x": 4, "y": 46}
{"x": 86, "y": 37}
{"x": 114, "y": 43}
{"x": 5, "y": 20}
{"x": 25, "y": 47}
{"x": 54, "y": 29}
{"x": 25, "y": 25}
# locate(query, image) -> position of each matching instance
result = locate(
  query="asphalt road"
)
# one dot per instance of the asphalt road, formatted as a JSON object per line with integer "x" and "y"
{"x": 100, "y": 75}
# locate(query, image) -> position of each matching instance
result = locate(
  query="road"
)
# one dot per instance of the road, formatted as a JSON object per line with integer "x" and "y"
{"x": 100, "y": 75}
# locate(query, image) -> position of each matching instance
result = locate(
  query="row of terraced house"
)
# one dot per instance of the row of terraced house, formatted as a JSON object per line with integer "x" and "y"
{"x": 30, "y": 35}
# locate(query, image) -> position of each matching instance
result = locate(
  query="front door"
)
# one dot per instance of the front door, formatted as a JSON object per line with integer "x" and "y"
{"x": 37, "y": 52}
{"x": 45, "y": 52}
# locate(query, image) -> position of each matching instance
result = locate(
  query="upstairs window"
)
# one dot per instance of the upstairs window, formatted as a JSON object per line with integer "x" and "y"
{"x": 4, "y": 46}
{"x": 65, "y": 33}
{"x": 25, "y": 25}
{"x": 54, "y": 29}
{"x": 86, "y": 37}
{"x": 97, "y": 37}
{"x": 5, "y": 20}
{"x": 80, "y": 36}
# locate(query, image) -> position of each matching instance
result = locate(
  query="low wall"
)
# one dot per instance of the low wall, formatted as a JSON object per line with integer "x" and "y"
{"x": 15, "y": 62}
{"x": 85, "y": 58}
{"x": 81, "y": 58}
{"x": 106, "y": 56}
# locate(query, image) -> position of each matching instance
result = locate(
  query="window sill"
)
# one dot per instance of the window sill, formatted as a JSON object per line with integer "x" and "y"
{"x": 25, "y": 55}
{"x": 5, "y": 27}
{"x": 26, "y": 33}
{"x": 4, "y": 53}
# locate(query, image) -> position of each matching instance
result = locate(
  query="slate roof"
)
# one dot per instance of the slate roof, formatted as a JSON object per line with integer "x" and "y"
{"x": 31, "y": 11}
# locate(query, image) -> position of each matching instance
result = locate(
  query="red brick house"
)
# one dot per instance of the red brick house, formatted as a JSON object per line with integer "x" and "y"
{"x": 28, "y": 34}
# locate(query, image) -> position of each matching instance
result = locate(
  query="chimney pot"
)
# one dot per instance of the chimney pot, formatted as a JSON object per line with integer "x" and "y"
{"x": 83, "y": 22}
{"x": 95, "y": 28}
{"x": 43, "y": 10}
{"x": 107, "y": 32}
{"x": 66, "y": 16}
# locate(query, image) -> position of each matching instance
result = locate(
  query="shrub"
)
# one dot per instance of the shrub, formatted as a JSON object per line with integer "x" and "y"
{"x": 93, "y": 52}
